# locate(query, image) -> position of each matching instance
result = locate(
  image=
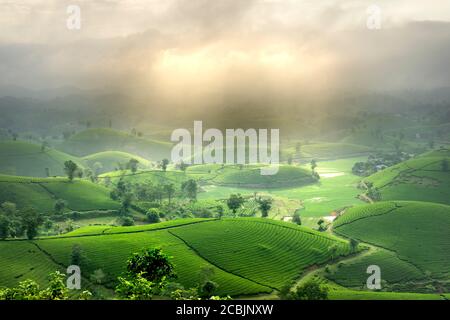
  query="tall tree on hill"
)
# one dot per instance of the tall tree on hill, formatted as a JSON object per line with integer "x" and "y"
{"x": 31, "y": 220}
{"x": 190, "y": 188}
{"x": 164, "y": 164}
{"x": 4, "y": 226}
{"x": 133, "y": 165}
{"x": 170, "y": 190}
{"x": 70, "y": 168}
{"x": 313, "y": 165}
{"x": 152, "y": 264}
{"x": 234, "y": 202}
{"x": 264, "y": 206}
{"x": 296, "y": 218}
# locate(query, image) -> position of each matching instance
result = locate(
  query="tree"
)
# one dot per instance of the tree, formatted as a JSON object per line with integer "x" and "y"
{"x": 190, "y": 188}
{"x": 311, "y": 290}
{"x": 133, "y": 165}
{"x": 126, "y": 221}
{"x": 98, "y": 276}
{"x": 313, "y": 165}
{"x": 444, "y": 165}
{"x": 164, "y": 164}
{"x": 70, "y": 169}
{"x": 170, "y": 190}
{"x": 296, "y": 218}
{"x": 220, "y": 211}
{"x": 183, "y": 166}
{"x": 153, "y": 215}
{"x": 135, "y": 288}
{"x": 4, "y": 226}
{"x": 235, "y": 201}
{"x": 126, "y": 204}
{"x": 44, "y": 146}
{"x": 59, "y": 206}
{"x": 151, "y": 264}
{"x": 208, "y": 288}
{"x": 31, "y": 220}
{"x": 332, "y": 250}
{"x": 29, "y": 290}
{"x": 321, "y": 224}
{"x": 353, "y": 244}
{"x": 77, "y": 256}
{"x": 264, "y": 206}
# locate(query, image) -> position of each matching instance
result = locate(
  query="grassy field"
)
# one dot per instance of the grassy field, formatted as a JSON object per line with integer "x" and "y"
{"x": 335, "y": 190}
{"x": 417, "y": 232}
{"x": 113, "y": 160}
{"x": 98, "y": 140}
{"x": 26, "y": 159}
{"x": 256, "y": 255}
{"x": 41, "y": 193}
{"x": 421, "y": 178}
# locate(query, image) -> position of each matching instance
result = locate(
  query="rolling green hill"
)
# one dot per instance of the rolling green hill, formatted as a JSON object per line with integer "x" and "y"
{"x": 324, "y": 151}
{"x": 249, "y": 176}
{"x": 247, "y": 256}
{"x": 112, "y": 160}
{"x": 27, "y": 159}
{"x": 422, "y": 178}
{"x": 413, "y": 236}
{"x": 98, "y": 140}
{"x": 41, "y": 193}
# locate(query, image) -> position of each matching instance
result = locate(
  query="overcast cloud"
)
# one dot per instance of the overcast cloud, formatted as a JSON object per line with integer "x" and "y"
{"x": 202, "y": 49}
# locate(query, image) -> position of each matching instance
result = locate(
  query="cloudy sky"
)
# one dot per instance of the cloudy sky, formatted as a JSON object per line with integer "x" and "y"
{"x": 234, "y": 47}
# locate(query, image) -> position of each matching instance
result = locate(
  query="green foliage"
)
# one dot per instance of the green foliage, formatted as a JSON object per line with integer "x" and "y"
{"x": 70, "y": 169}
{"x": 190, "y": 188}
{"x": 60, "y": 205}
{"x": 126, "y": 221}
{"x": 208, "y": 289}
{"x": 153, "y": 215}
{"x": 311, "y": 290}
{"x": 163, "y": 164}
{"x": 296, "y": 218}
{"x": 264, "y": 206}
{"x": 137, "y": 287}
{"x": 31, "y": 220}
{"x": 234, "y": 202}
{"x": 151, "y": 264}
{"x": 30, "y": 290}
{"x": 133, "y": 165}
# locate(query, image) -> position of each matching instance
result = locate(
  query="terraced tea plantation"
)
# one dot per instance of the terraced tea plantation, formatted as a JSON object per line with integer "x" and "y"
{"x": 425, "y": 178}
{"x": 255, "y": 256}
{"x": 415, "y": 234}
{"x": 41, "y": 193}
{"x": 26, "y": 159}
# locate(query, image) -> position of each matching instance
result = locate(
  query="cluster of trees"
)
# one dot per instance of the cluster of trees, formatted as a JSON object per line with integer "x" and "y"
{"x": 377, "y": 162}
{"x": 373, "y": 192}
{"x": 30, "y": 290}
{"x": 236, "y": 201}
{"x": 309, "y": 290}
{"x": 314, "y": 173}
{"x": 150, "y": 272}
{"x": 18, "y": 223}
